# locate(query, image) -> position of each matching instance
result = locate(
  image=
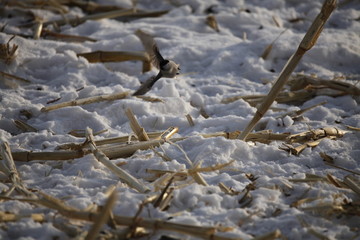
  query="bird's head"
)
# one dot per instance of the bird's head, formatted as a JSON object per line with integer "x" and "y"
{"x": 170, "y": 69}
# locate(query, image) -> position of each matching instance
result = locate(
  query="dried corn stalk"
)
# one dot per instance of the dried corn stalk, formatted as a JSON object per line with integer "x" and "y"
{"x": 11, "y": 217}
{"x": 301, "y": 81}
{"x": 298, "y": 113}
{"x": 306, "y": 44}
{"x": 65, "y": 37}
{"x": 120, "y": 56}
{"x": 212, "y": 22}
{"x": 316, "y": 134}
{"x": 7, "y": 166}
{"x": 24, "y": 126}
{"x": 97, "y": 16}
{"x": 101, "y": 157}
{"x": 83, "y": 101}
{"x": 311, "y": 138}
{"x": 148, "y": 223}
{"x": 270, "y": 236}
{"x": 102, "y": 217}
{"x": 150, "y": 99}
{"x": 135, "y": 126}
{"x": 8, "y": 53}
{"x": 7, "y": 75}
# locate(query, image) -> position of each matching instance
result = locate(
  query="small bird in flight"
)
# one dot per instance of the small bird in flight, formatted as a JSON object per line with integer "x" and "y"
{"x": 167, "y": 68}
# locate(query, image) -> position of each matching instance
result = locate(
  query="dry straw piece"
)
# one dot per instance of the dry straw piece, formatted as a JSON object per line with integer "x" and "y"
{"x": 306, "y": 44}
{"x": 7, "y": 166}
{"x": 123, "y": 175}
{"x": 11, "y": 76}
{"x": 7, "y": 53}
{"x": 47, "y": 34}
{"x": 97, "y": 16}
{"x": 135, "y": 126}
{"x": 212, "y": 22}
{"x": 119, "y": 56}
{"x": 11, "y": 217}
{"x": 102, "y": 217}
{"x": 83, "y": 101}
{"x": 148, "y": 223}
{"x": 24, "y": 126}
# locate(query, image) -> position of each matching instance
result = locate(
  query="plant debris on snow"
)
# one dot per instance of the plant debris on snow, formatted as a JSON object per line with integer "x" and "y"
{"x": 256, "y": 138}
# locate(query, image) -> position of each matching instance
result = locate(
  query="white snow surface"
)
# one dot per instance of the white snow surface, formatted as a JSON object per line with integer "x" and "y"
{"x": 214, "y": 65}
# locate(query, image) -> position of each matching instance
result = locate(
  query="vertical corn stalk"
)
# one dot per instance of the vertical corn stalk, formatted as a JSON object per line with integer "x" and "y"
{"x": 306, "y": 44}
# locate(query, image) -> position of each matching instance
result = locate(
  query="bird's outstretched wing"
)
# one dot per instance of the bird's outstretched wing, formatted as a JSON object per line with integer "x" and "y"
{"x": 156, "y": 58}
{"x": 147, "y": 85}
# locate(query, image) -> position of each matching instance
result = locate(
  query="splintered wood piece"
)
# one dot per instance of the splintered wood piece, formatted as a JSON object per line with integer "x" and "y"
{"x": 306, "y": 44}
{"x": 83, "y": 101}
{"x": 135, "y": 126}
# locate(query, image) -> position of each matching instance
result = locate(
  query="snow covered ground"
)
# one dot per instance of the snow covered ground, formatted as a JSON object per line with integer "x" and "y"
{"x": 214, "y": 65}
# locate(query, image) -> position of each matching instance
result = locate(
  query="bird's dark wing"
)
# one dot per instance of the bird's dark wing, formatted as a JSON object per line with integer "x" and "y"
{"x": 156, "y": 58}
{"x": 147, "y": 85}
